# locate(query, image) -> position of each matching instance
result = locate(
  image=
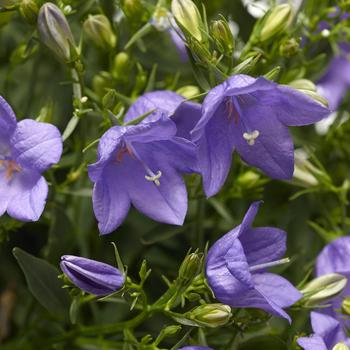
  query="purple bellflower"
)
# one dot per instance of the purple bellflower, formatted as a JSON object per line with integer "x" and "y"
{"x": 335, "y": 258}
{"x": 141, "y": 164}
{"x": 92, "y": 276}
{"x": 236, "y": 264}
{"x": 27, "y": 149}
{"x": 183, "y": 113}
{"x": 327, "y": 334}
{"x": 335, "y": 83}
{"x": 250, "y": 116}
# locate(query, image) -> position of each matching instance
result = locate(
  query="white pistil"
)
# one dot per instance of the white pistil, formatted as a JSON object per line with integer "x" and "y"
{"x": 269, "y": 264}
{"x": 154, "y": 178}
{"x": 250, "y": 137}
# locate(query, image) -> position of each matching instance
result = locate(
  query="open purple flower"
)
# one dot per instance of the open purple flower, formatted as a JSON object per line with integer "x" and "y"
{"x": 335, "y": 258}
{"x": 236, "y": 264}
{"x": 92, "y": 276}
{"x": 27, "y": 149}
{"x": 327, "y": 334}
{"x": 335, "y": 82}
{"x": 141, "y": 165}
{"x": 251, "y": 116}
{"x": 183, "y": 113}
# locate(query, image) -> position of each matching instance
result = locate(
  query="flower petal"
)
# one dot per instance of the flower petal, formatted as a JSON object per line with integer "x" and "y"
{"x": 313, "y": 342}
{"x": 110, "y": 198}
{"x": 273, "y": 150}
{"x": 334, "y": 257}
{"x": 7, "y": 118}
{"x": 36, "y": 145}
{"x": 249, "y": 217}
{"x": 263, "y": 244}
{"x": 214, "y": 151}
{"x": 28, "y": 196}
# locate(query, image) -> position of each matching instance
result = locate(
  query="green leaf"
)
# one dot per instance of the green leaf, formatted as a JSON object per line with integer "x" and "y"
{"x": 43, "y": 282}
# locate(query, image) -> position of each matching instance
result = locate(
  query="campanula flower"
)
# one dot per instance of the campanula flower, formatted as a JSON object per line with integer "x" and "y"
{"x": 334, "y": 258}
{"x": 185, "y": 114}
{"x": 328, "y": 334}
{"x": 335, "y": 82}
{"x": 92, "y": 276}
{"x": 27, "y": 149}
{"x": 236, "y": 268}
{"x": 250, "y": 116}
{"x": 141, "y": 165}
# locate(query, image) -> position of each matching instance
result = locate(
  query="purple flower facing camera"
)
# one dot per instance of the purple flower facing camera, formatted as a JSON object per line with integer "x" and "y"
{"x": 27, "y": 149}
{"x": 92, "y": 276}
{"x": 250, "y": 116}
{"x": 236, "y": 268}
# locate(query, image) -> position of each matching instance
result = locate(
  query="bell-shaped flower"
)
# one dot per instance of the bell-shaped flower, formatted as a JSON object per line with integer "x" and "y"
{"x": 236, "y": 268}
{"x": 27, "y": 149}
{"x": 335, "y": 258}
{"x": 141, "y": 165}
{"x": 251, "y": 116}
{"x": 92, "y": 276}
{"x": 183, "y": 113}
{"x": 328, "y": 334}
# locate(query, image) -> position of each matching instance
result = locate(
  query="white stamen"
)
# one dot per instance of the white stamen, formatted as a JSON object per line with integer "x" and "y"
{"x": 325, "y": 33}
{"x": 154, "y": 178}
{"x": 250, "y": 137}
{"x": 269, "y": 264}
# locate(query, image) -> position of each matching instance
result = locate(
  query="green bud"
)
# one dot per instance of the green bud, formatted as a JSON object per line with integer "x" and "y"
{"x": 134, "y": 10}
{"x": 303, "y": 84}
{"x": 304, "y": 170}
{"x": 99, "y": 30}
{"x": 340, "y": 346}
{"x": 248, "y": 179}
{"x": 55, "y": 32}
{"x": 222, "y": 36}
{"x": 101, "y": 82}
{"x": 170, "y": 330}
{"x": 188, "y": 91}
{"x": 275, "y": 21}
{"x": 345, "y": 306}
{"x": 189, "y": 268}
{"x": 29, "y": 9}
{"x": 323, "y": 288}
{"x": 121, "y": 66}
{"x": 188, "y": 18}
{"x": 289, "y": 47}
{"x": 210, "y": 315}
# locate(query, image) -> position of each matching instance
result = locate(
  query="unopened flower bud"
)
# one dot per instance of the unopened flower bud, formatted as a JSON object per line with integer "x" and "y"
{"x": 222, "y": 36}
{"x": 275, "y": 21}
{"x": 101, "y": 82}
{"x": 29, "y": 9}
{"x": 345, "y": 306}
{"x": 340, "y": 346}
{"x": 323, "y": 288}
{"x": 189, "y": 268}
{"x": 304, "y": 170}
{"x": 99, "y": 30}
{"x": 289, "y": 47}
{"x": 210, "y": 315}
{"x": 303, "y": 84}
{"x": 134, "y": 10}
{"x": 188, "y": 18}
{"x": 188, "y": 91}
{"x": 55, "y": 32}
{"x": 92, "y": 276}
{"x": 121, "y": 66}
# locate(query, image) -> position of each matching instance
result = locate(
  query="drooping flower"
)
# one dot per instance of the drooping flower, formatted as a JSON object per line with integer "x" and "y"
{"x": 335, "y": 82}
{"x": 251, "y": 116}
{"x": 27, "y": 149}
{"x": 92, "y": 276}
{"x": 328, "y": 334}
{"x": 236, "y": 264}
{"x": 185, "y": 114}
{"x": 141, "y": 165}
{"x": 335, "y": 258}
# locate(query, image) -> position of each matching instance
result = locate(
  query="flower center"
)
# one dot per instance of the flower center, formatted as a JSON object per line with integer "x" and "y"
{"x": 269, "y": 264}
{"x": 250, "y": 137}
{"x": 150, "y": 175}
{"x": 11, "y": 167}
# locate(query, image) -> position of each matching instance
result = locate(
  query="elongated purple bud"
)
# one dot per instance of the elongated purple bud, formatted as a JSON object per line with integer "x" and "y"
{"x": 55, "y": 32}
{"x": 92, "y": 276}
